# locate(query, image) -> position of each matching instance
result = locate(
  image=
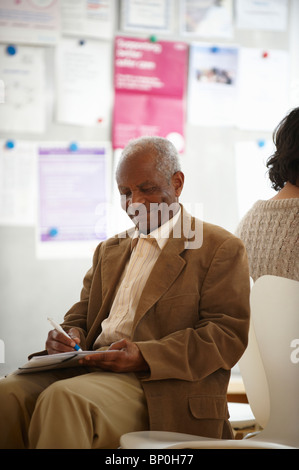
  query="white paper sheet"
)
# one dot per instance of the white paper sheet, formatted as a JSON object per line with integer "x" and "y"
{"x": 29, "y": 21}
{"x": 53, "y": 361}
{"x": 266, "y": 15}
{"x": 147, "y": 15}
{"x": 23, "y": 75}
{"x": 252, "y": 179}
{"x": 84, "y": 82}
{"x": 88, "y": 18}
{"x": 212, "y": 95}
{"x": 208, "y": 18}
{"x": 18, "y": 183}
{"x": 263, "y": 88}
{"x": 74, "y": 191}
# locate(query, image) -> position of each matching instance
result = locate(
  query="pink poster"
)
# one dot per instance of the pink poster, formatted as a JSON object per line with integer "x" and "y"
{"x": 150, "y": 84}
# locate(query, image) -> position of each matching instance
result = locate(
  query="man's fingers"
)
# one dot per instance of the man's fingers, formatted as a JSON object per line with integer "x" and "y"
{"x": 74, "y": 334}
{"x": 57, "y": 342}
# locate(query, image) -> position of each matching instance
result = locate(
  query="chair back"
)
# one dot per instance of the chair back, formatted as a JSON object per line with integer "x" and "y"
{"x": 254, "y": 378}
{"x": 275, "y": 324}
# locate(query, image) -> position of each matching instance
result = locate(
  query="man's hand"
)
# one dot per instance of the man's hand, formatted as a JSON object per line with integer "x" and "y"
{"x": 122, "y": 356}
{"x": 59, "y": 343}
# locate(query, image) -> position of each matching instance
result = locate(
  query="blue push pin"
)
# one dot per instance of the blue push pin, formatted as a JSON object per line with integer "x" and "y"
{"x": 73, "y": 147}
{"x": 261, "y": 143}
{"x": 53, "y": 232}
{"x": 81, "y": 42}
{"x": 10, "y": 144}
{"x": 11, "y": 50}
{"x": 214, "y": 49}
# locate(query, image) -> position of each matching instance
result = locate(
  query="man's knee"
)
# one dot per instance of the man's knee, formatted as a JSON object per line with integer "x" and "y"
{"x": 10, "y": 388}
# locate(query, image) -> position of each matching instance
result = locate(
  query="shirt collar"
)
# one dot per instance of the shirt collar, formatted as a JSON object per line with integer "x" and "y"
{"x": 161, "y": 234}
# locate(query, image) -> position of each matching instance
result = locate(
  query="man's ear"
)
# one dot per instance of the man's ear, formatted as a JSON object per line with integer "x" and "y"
{"x": 178, "y": 182}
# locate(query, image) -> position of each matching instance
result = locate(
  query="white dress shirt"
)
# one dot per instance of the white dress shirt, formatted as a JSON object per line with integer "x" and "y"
{"x": 145, "y": 252}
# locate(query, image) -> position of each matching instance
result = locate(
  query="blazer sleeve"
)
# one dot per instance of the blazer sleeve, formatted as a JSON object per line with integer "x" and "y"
{"x": 220, "y": 337}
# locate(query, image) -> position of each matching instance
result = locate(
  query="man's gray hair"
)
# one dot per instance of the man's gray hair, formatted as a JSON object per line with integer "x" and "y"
{"x": 167, "y": 157}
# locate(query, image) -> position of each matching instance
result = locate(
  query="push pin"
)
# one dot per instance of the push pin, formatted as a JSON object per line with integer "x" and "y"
{"x": 73, "y": 147}
{"x": 11, "y": 50}
{"x": 53, "y": 232}
{"x": 10, "y": 144}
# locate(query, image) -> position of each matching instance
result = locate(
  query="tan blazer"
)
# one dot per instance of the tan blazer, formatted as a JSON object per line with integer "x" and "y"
{"x": 191, "y": 324}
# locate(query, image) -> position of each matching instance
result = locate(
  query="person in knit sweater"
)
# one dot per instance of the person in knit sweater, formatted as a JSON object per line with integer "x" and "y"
{"x": 270, "y": 229}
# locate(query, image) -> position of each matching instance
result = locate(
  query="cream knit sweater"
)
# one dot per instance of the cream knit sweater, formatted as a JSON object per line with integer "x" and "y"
{"x": 270, "y": 232}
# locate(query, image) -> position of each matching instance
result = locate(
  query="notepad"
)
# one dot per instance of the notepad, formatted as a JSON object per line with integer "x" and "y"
{"x": 54, "y": 361}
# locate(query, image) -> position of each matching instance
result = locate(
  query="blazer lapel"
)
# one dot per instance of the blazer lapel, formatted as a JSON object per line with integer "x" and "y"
{"x": 168, "y": 266}
{"x": 114, "y": 260}
{"x": 166, "y": 270}
{"x": 113, "y": 263}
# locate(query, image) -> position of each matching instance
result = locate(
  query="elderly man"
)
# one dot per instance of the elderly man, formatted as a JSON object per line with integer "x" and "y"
{"x": 167, "y": 306}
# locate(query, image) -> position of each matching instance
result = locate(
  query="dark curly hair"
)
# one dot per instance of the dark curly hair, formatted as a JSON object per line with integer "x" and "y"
{"x": 283, "y": 165}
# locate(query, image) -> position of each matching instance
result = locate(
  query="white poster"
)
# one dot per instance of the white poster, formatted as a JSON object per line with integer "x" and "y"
{"x": 29, "y": 21}
{"x": 213, "y": 75}
{"x": 263, "y": 88}
{"x": 207, "y": 18}
{"x": 23, "y": 76}
{"x": 84, "y": 82}
{"x": 74, "y": 192}
{"x": 147, "y": 15}
{"x": 266, "y": 15}
{"x": 18, "y": 182}
{"x": 88, "y": 18}
{"x": 252, "y": 179}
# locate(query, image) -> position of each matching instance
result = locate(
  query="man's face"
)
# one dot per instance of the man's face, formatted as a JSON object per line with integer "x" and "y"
{"x": 143, "y": 189}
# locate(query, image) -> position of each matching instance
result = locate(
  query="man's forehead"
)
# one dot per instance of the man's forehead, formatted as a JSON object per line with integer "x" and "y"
{"x": 141, "y": 184}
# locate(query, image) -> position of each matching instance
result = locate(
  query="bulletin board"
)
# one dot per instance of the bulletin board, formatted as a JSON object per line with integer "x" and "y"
{"x": 79, "y": 80}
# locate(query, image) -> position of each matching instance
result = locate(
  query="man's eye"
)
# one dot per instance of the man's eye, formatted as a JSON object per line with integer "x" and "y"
{"x": 149, "y": 190}
{"x": 125, "y": 193}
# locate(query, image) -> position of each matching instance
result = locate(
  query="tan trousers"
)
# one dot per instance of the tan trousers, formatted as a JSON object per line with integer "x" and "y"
{"x": 69, "y": 409}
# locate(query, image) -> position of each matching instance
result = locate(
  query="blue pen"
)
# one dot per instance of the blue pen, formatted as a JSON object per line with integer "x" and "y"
{"x": 58, "y": 328}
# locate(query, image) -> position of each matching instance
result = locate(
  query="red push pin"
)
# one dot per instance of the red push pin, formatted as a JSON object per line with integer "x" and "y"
{"x": 265, "y": 55}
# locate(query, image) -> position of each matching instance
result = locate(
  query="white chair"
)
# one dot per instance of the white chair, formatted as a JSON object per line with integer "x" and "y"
{"x": 275, "y": 324}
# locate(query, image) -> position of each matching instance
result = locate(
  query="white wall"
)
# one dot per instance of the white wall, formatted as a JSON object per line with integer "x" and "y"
{"x": 32, "y": 289}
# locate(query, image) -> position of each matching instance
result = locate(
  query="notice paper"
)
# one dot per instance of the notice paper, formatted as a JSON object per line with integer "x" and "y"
{"x": 213, "y": 90}
{"x": 88, "y": 18}
{"x": 266, "y": 15}
{"x": 29, "y": 21}
{"x": 84, "y": 77}
{"x": 74, "y": 192}
{"x": 150, "y": 83}
{"x": 53, "y": 361}
{"x": 207, "y": 18}
{"x": 250, "y": 160}
{"x": 150, "y": 15}
{"x": 18, "y": 182}
{"x": 23, "y": 75}
{"x": 263, "y": 92}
